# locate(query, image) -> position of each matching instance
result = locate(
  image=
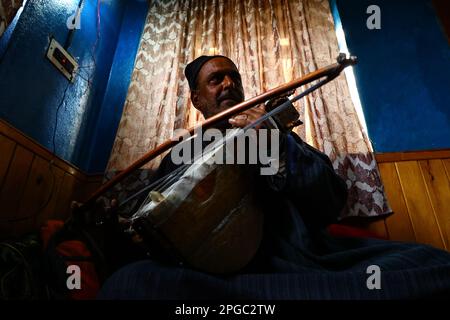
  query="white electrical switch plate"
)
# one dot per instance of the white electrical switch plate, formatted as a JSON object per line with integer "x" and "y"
{"x": 62, "y": 60}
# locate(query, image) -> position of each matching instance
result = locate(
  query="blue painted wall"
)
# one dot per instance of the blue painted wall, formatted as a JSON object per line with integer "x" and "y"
{"x": 403, "y": 75}
{"x": 105, "y": 129}
{"x": 33, "y": 94}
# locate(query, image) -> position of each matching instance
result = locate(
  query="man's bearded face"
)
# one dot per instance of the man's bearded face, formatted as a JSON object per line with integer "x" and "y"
{"x": 219, "y": 87}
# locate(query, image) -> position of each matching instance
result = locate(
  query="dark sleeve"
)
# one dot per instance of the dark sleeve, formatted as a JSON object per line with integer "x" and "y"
{"x": 312, "y": 184}
{"x": 165, "y": 167}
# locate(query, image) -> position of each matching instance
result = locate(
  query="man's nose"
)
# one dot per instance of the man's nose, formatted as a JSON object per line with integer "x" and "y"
{"x": 228, "y": 82}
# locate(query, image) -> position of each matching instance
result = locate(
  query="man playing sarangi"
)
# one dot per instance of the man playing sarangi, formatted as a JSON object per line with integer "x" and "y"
{"x": 297, "y": 258}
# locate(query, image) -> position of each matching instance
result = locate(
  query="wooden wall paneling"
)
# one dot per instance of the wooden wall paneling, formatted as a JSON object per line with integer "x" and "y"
{"x": 399, "y": 223}
{"x": 69, "y": 186}
{"x": 36, "y": 148}
{"x": 36, "y": 194}
{"x": 418, "y": 204}
{"x": 438, "y": 187}
{"x": 49, "y": 211}
{"x": 91, "y": 184}
{"x": 7, "y": 147}
{"x": 31, "y": 190}
{"x": 15, "y": 181}
{"x": 446, "y": 163}
{"x": 37, "y": 188}
{"x": 78, "y": 190}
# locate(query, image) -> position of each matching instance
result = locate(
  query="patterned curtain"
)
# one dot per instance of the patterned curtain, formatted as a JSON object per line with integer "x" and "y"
{"x": 8, "y": 10}
{"x": 272, "y": 42}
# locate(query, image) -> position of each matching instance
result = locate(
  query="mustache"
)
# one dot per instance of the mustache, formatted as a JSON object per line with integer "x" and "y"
{"x": 234, "y": 95}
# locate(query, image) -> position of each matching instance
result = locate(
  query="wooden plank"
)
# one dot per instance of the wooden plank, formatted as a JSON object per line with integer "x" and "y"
{"x": 398, "y": 224}
{"x": 418, "y": 204}
{"x": 446, "y": 163}
{"x": 412, "y": 155}
{"x": 15, "y": 181}
{"x": 7, "y": 151}
{"x": 49, "y": 212}
{"x": 34, "y": 147}
{"x": 77, "y": 193}
{"x": 89, "y": 187}
{"x": 66, "y": 195}
{"x": 438, "y": 187}
{"x": 27, "y": 185}
{"x": 37, "y": 189}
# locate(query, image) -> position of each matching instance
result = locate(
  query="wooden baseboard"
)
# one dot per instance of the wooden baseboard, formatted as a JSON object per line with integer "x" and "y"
{"x": 412, "y": 155}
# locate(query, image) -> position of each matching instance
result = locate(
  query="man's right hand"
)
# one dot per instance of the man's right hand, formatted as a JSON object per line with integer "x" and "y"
{"x": 104, "y": 213}
{"x": 249, "y": 116}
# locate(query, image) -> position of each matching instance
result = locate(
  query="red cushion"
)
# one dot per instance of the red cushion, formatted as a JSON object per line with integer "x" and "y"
{"x": 339, "y": 230}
